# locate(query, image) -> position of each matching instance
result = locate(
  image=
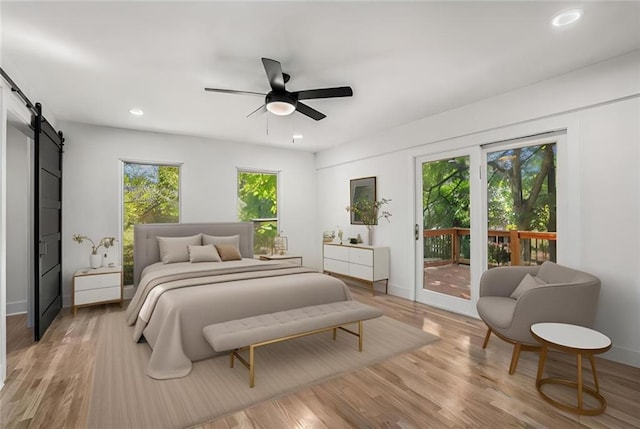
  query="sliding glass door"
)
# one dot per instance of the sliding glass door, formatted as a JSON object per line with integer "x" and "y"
{"x": 480, "y": 208}
{"x": 444, "y": 230}
{"x": 521, "y": 203}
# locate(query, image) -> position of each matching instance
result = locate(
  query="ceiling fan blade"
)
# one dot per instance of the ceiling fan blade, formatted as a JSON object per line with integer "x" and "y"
{"x": 260, "y": 109}
{"x": 341, "y": 91}
{"x": 274, "y": 74}
{"x": 310, "y": 112}
{"x": 231, "y": 91}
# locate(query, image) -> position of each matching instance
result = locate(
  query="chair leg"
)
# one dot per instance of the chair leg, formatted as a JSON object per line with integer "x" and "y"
{"x": 486, "y": 338}
{"x": 514, "y": 358}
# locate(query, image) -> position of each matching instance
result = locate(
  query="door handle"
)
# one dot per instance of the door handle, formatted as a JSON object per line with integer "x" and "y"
{"x": 417, "y": 232}
{"x": 42, "y": 248}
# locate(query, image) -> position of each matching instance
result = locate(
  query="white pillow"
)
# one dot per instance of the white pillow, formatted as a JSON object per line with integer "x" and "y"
{"x": 206, "y": 253}
{"x": 527, "y": 283}
{"x": 174, "y": 249}
{"x": 233, "y": 240}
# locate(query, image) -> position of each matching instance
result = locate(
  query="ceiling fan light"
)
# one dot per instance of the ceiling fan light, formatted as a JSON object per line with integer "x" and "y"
{"x": 566, "y": 17}
{"x": 280, "y": 108}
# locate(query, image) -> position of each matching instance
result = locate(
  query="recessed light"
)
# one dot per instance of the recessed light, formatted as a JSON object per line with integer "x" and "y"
{"x": 298, "y": 136}
{"x": 136, "y": 112}
{"x": 567, "y": 17}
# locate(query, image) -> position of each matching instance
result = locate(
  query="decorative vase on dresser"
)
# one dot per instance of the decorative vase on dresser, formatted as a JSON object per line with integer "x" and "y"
{"x": 365, "y": 263}
{"x": 95, "y": 260}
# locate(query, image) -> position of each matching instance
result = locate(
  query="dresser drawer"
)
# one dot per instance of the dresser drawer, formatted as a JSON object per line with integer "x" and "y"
{"x": 97, "y": 295}
{"x": 363, "y": 272}
{"x": 96, "y": 281}
{"x": 361, "y": 256}
{"x": 336, "y": 252}
{"x": 338, "y": 267}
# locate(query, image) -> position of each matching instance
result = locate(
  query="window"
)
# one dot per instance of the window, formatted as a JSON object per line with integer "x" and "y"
{"x": 258, "y": 203}
{"x": 521, "y": 204}
{"x": 151, "y": 194}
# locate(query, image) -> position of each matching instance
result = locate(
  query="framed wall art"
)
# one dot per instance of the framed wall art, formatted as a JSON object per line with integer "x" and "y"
{"x": 362, "y": 195}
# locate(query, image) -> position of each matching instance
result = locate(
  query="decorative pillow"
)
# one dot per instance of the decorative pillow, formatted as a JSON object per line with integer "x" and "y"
{"x": 234, "y": 240}
{"x": 527, "y": 283}
{"x": 206, "y": 253}
{"x": 174, "y": 249}
{"x": 228, "y": 252}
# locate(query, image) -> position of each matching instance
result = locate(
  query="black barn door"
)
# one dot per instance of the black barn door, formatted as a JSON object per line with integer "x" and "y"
{"x": 47, "y": 223}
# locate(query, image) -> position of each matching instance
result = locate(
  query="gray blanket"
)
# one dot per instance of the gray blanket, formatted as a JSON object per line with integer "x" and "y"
{"x": 196, "y": 295}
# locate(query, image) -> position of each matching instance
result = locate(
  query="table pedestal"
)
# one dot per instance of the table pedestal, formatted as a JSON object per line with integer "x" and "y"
{"x": 578, "y": 385}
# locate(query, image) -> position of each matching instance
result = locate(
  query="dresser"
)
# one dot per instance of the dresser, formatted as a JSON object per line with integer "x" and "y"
{"x": 365, "y": 263}
{"x": 96, "y": 286}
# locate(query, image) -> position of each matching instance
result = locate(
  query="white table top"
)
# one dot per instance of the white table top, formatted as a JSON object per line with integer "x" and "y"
{"x": 566, "y": 335}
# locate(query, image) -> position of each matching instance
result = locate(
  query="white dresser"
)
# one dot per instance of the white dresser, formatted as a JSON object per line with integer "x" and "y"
{"x": 96, "y": 286}
{"x": 366, "y": 263}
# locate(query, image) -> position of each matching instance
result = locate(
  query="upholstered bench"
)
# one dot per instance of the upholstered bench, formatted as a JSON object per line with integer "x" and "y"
{"x": 252, "y": 332}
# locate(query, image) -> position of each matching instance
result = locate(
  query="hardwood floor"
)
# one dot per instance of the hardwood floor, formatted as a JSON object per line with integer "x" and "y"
{"x": 451, "y": 383}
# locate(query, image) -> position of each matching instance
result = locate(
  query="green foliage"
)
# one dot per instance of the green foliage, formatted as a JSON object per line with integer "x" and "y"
{"x": 151, "y": 195}
{"x": 521, "y": 188}
{"x": 258, "y": 203}
{"x": 369, "y": 212}
{"x": 445, "y": 193}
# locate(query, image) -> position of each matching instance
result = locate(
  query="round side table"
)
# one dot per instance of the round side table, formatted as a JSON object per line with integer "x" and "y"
{"x": 580, "y": 341}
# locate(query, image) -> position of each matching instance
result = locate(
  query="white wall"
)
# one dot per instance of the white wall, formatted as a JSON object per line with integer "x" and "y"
{"x": 600, "y": 108}
{"x": 18, "y": 194}
{"x": 92, "y": 185}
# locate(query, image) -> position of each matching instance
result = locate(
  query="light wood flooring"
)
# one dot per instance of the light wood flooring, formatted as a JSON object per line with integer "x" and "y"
{"x": 452, "y": 383}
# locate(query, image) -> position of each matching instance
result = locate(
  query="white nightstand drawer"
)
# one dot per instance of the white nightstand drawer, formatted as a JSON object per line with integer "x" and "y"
{"x": 361, "y": 256}
{"x": 97, "y": 295}
{"x": 97, "y": 281}
{"x": 338, "y": 267}
{"x": 363, "y": 272}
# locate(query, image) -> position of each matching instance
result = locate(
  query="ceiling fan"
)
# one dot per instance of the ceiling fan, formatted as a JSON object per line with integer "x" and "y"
{"x": 281, "y": 102}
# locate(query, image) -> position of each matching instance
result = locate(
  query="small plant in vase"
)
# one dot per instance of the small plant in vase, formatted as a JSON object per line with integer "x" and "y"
{"x": 95, "y": 258}
{"x": 369, "y": 212}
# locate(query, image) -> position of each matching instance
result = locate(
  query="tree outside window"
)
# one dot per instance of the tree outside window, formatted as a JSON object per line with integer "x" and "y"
{"x": 150, "y": 195}
{"x": 258, "y": 203}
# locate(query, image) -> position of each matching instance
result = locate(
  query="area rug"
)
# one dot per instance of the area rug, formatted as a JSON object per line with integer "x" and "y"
{"x": 124, "y": 397}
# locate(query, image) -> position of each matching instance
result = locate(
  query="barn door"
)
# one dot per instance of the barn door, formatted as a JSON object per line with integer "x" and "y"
{"x": 47, "y": 223}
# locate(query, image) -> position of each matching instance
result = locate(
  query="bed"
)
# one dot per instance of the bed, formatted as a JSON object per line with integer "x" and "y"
{"x": 174, "y": 301}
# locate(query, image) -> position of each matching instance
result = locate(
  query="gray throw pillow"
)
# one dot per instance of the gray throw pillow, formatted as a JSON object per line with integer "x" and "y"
{"x": 527, "y": 283}
{"x": 174, "y": 249}
{"x": 233, "y": 240}
{"x": 206, "y": 253}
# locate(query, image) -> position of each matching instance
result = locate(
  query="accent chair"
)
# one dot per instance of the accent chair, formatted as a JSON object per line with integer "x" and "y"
{"x": 515, "y": 297}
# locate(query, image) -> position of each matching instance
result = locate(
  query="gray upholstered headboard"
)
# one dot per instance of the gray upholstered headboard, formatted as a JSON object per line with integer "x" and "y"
{"x": 147, "y": 252}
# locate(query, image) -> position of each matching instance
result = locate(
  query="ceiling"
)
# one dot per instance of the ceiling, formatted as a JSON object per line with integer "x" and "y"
{"x": 91, "y": 62}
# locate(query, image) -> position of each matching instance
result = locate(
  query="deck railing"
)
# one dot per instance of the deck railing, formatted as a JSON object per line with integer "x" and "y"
{"x": 452, "y": 246}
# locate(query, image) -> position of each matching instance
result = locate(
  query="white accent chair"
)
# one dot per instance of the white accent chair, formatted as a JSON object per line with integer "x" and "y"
{"x": 559, "y": 294}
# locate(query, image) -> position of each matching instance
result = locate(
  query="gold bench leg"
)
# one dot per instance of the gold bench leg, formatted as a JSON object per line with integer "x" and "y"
{"x": 231, "y": 356}
{"x": 360, "y": 335}
{"x": 335, "y": 332}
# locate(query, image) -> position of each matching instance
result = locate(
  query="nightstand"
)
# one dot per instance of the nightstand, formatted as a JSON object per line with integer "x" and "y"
{"x": 96, "y": 286}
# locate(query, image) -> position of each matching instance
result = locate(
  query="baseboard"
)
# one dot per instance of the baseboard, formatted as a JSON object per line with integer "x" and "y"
{"x": 401, "y": 292}
{"x": 623, "y": 355}
{"x": 17, "y": 307}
